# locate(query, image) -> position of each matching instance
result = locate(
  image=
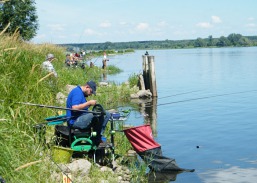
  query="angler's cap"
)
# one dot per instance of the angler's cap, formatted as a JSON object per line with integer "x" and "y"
{"x": 49, "y": 56}
{"x": 92, "y": 86}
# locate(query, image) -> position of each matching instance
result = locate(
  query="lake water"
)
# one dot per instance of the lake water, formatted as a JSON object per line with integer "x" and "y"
{"x": 207, "y": 98}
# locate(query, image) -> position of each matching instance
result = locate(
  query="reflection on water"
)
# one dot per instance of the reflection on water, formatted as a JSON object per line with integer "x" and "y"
{"x": 151, "y": 112}
{"x": 233, "y": 174}
{"x": 148, "y": 109}
{"x": 157, "y": 177}
{"x": 104, "y": 76}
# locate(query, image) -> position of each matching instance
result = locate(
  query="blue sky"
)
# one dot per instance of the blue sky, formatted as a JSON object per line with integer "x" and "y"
{"x": 97, "y": 21}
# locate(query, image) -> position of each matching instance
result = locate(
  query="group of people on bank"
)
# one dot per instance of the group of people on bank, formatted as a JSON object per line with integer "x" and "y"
{"x": 73, "y": 59}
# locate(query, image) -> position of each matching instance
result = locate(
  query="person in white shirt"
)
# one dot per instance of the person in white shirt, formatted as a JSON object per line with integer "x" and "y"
{"x": 47, "y": 65}
{"x": 104, "y": 61}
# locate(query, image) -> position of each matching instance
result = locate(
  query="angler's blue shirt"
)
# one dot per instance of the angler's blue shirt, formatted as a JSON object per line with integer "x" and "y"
{"x": 75, "y": 97}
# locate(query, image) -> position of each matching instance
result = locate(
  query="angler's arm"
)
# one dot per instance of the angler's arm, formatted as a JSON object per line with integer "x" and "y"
{"x": 84, "y": 105}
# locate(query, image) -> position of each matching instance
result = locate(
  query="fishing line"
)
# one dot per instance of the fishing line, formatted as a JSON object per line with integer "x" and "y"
{"x": 93, "y": 64}
{"x": 200, "y": 98}
{"x": 133, "y": 108}
{"x": 60, "y": 168}
{"x": 179, "y": 94}
{"x": 172, "y": 96}
{"x": 82, "y": 32}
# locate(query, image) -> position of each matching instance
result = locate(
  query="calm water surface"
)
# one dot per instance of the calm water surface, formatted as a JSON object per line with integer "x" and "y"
{"x": 206, "y": 98}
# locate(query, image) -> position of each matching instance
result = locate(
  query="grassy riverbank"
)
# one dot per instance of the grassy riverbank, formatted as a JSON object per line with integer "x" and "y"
{"x": 22, "y": 80}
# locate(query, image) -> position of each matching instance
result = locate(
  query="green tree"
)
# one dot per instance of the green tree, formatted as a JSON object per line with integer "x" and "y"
{"x": 21, "y": 14}
{"x": 210, "y": 41}
{"x": 222, "y": 42}
{"x": 200, "y": 42}
{"x": 243, "y": 41}
{"x": 234, "y": 38}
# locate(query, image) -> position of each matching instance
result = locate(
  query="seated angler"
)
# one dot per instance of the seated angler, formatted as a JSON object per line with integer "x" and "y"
{"x": 77, "y": 99}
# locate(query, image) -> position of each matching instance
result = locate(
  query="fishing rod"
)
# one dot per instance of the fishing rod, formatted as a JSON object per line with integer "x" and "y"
{"x": 54, "y": 107}
{"x": 55, "y": 119}
{"x": 200, "y": 98}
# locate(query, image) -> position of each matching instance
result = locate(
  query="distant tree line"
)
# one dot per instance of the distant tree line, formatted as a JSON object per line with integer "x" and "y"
{"x": 233, "y": 40}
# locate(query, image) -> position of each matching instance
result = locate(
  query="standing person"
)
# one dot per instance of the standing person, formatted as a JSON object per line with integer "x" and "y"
{"x": 77, "y": 100}
{"x": 104, "y": 61}
{"x": 83, "y": 54}
{"x": 48, "y": 66}
{"x": 105, "y": 56}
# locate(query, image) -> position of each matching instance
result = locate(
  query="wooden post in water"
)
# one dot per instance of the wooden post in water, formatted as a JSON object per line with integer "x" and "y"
{"x": 149, "y": 74}
{"x": 152, "y": 77}
{"x": 146, "y": 72}
{"x": 150, "y": 83}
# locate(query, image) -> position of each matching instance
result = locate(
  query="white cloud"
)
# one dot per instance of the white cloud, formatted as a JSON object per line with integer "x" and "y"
{"x": 62, "y": 36}
{"x": 251, "y": 25}
{"x": 56, "y": 27}
{"x": 205, "y": 25}
{"x": 123, "y": 23}
{"x": 105, "y": 24}
{"x": 162, "y": 24}
{"x": 142, "y": 26}
{"x": 90, "y": 32}
{"x": 40, "y": 36}
{"x": 180, "y": 33}
{"x": 251, "y": 19}
{"x": 216, "y": 19}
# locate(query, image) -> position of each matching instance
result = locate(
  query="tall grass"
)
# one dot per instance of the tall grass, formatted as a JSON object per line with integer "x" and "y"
{"x": 23, "y": 80}
{"x": 20, "y": 74}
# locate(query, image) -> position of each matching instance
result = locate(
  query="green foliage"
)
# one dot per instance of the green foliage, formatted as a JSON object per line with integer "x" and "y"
{"x": 113, "y": 95}
{"x": 126, "y": 51}
{"x": 75, "y": 75}
{"x": 200, "y": 42}
{"x": 22, "y": 18}
{"x": 23, "y": 80}
{"x": 133, "y": 80}
{"x": 112, "y": 69}
{"x": 231, "y": 40}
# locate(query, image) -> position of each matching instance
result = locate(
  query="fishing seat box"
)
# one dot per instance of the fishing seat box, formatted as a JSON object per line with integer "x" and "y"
{"x": 62, "y": 134}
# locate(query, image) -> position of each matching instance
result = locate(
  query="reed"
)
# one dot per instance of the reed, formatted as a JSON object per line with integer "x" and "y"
{"x": 133, "y": 80}
{"x": 23, "y": 157}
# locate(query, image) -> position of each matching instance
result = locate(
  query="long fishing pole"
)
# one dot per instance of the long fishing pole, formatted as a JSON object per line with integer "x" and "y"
{"x": 54, "y": 107}
{"x": 200, "y": 98}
